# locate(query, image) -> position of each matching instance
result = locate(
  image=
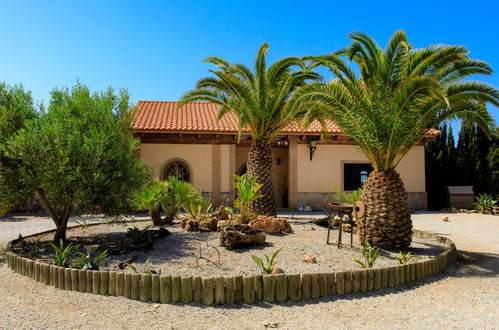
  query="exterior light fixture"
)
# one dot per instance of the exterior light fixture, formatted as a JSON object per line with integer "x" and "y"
{"x": 312, "y": 144}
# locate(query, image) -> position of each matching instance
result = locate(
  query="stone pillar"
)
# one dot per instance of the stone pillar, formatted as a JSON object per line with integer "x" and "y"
{"x": 293, "y": 172}
{"x": 232, "y": 171}
{"x": 216, "y": 175}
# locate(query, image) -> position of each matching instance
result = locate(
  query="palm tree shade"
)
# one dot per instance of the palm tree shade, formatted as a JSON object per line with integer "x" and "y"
{"x": 399, "y": 95}
{"x": 264, "y": 104}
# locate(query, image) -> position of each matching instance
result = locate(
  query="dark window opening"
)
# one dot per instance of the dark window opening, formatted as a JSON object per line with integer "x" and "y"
{"x": 355, "y": 174}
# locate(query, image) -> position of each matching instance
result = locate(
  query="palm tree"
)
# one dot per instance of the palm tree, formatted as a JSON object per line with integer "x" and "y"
{"x": 262, "y": 100}
{"x": 401, "y": 94}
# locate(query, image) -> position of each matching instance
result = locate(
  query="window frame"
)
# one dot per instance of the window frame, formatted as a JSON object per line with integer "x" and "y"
{"x": 177, "y": 160}
{"x": 346, "y": 162}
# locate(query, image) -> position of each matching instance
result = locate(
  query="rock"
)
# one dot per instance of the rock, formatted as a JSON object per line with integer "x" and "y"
{"x": 224, "y": 223}
{"x": 207, "y": 225}
{"x": 445, "y": 219}
{"x": 271, "y": 225}
{"x": 277, "y": 271}
{"x": 236, "y": 236}
{"x": 309, "y": 259}
{"x": 221, "y": 213}
{"x": 203, "y": 224}
{"x": 163, "y": 232}
{"x": 453, "y": 210}
{"x": 322, "y": 222}
{"x": 347, "y": 228}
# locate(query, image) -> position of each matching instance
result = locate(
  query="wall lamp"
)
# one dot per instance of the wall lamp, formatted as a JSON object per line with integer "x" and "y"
{"x": 312, "y": 144}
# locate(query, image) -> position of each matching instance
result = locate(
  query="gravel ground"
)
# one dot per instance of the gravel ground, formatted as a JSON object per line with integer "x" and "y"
{"x": 464, "y": 296}
{"x": 175, "y": 254}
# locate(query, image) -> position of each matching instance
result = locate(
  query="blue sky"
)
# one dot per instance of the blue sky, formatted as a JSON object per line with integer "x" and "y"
{"x": 155, "y": 48}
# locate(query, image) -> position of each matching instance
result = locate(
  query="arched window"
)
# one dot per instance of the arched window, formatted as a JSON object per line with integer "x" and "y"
{"x": 178, "y": 170}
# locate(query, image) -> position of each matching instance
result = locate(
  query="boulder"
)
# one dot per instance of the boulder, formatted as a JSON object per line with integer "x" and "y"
{"x": 271, "y": 225}
{"x": 237, "y": 236}
{"x": 203, "y": 224}
{"x": 221, "y": 213}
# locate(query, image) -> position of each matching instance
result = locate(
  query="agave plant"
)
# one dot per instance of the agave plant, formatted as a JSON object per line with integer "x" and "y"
{"x": 63, "y": 254}
{"x": 484, "y": 203}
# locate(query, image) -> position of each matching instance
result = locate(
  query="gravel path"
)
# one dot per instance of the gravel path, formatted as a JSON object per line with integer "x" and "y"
{"x": 465, "y": 296}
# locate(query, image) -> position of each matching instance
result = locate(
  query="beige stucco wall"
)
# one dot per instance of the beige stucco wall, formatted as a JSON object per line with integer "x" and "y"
{"x": 197, "y": 156}
{"x": 326, "y": 167}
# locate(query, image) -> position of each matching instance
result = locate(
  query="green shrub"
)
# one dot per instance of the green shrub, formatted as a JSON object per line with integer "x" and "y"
{"x": 369, "y": 254}
{"x": 346, "y": 197}
{"x": 63, "y": 254}
{"x": 268, "y": 266}
{"x": 484, "y": 203}
{"x": 247, "y": 191}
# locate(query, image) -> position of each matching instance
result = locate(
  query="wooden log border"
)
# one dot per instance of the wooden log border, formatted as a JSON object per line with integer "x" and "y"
{"x": 230, "y": 290}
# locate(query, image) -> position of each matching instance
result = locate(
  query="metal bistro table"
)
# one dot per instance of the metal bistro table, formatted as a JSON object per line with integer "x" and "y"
{"x": 340, "y": 210}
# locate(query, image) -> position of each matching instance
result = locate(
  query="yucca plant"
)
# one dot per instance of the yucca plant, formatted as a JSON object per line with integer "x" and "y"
{"x": 400, "y": 96}
{"x": 484, "y": 203}
{"x": 404, "y": 258}
{"x": 262, "y": 101}
{"x": 197, "y": 209}
{"x": 268, "y": 266}
{"x": 369, "y": 254}
{"x": 247, "y": 190}
{"x": 63, "y": 254}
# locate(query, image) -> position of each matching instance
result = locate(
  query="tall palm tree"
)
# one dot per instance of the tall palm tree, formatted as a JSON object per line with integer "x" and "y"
{"x": 262, "y": 100}
{"x": 401, "y": 94}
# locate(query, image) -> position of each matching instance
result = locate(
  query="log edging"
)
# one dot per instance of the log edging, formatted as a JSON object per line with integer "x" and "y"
{"x": 222, "y": 290}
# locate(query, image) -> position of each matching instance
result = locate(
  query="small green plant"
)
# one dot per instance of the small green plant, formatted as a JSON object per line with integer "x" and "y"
{"x": 405, "y": 258}
{"x": 145, "y": 269}
{"x": 82, "y": 260}
{"x": 247, "y": 191}
{"x": 21, "y": 241}
{"x": 83, "y": 223}
{"x": 268, "y": 266}
{"x": 197, "y": 208}
{"x": 369, "y": 254}
{"x": 137, "y": 235}
{"x": 346, "y": 197}
{"x": 36, "y": 247}
{"x": 62, "y": 254}
{"x": 484, "y": 203}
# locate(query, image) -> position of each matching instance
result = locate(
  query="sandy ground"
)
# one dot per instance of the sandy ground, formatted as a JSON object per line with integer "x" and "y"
{"x": 464, "y": 296}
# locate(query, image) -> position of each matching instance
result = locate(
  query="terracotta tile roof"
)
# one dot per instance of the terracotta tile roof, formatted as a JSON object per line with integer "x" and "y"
{"x": 200, "y": 117}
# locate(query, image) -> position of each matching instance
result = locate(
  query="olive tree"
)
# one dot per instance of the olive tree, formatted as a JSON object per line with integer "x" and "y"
{"x": 16, "y": 108}
{"x": 79, "y": 156}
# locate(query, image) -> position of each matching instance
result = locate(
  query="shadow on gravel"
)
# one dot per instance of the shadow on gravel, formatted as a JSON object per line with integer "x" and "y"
{"x": 476, "y": 264}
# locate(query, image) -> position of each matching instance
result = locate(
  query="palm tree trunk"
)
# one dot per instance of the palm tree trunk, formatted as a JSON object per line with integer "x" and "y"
{"x": 388, "y": 218}
{"x": 156, "y": 217}
{"x": 260, "y": 165}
